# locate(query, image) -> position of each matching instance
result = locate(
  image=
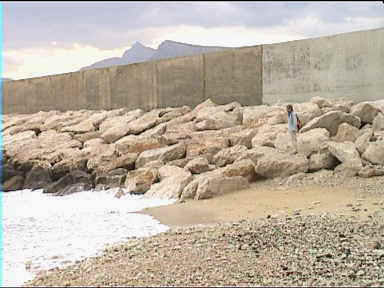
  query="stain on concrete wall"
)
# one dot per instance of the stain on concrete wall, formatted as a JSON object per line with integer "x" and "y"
{"x": 348, "y": 65}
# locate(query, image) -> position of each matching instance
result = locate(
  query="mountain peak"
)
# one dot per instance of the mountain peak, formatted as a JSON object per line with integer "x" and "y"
{"x": 137, "y": 44}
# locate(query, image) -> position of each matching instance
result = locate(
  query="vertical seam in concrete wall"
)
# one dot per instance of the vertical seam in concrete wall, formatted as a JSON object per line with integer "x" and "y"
{"x": 204, "y": 78}
{"x": 262, "y": 75}
{"x": 232, "y": 73}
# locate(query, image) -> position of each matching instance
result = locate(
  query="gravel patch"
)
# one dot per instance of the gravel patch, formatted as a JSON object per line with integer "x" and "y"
{"x": 325, "y": 250}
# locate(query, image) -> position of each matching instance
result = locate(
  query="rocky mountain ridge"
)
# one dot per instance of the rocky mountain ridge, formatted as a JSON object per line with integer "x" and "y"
{"x": 167, "y": 49}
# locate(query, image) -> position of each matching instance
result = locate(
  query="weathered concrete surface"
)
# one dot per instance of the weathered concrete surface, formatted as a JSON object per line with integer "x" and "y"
{"x": 173, "y": 82}
{"x": 349, "y": 65}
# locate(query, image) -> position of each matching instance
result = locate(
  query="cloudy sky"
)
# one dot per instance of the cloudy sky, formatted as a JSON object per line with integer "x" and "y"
{"x": 43, "y": 38}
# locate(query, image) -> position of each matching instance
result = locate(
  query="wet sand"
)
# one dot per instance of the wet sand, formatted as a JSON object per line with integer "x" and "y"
{"x": 258, "y": 202}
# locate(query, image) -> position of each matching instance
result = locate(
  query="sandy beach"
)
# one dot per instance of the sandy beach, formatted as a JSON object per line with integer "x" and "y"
{"x": 269, "y": 234}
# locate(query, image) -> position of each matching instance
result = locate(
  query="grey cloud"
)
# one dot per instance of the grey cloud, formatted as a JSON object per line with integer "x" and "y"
{"x": 112, "y": 24}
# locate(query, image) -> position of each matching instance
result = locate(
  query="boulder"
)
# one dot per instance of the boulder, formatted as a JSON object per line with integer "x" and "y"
{"x": 117, "y": 127}
{"x": 74, "y": 177}
{"x": 306, "y": 111}
{"x": 137, "y": 144}
{"x": 112, "y": 179}
{"x": 378, "y": 122}
{"x": 348, "y": 155}
{"x": 180, "y": 162}
{"x": 218, "y": 117}
{"x": 198, "y": 165}
{"x": 321, "y": 102}
{"x": 267, "y": 134}
{"x": 363, "y": 140}
{"x": 312, "y": 141}
{"x": 283, "y": 142}
{"x": 347, "y": 133}
{"x": 94, "y": 142}
{"x": 145, "y": 122}
{"x": 242, "y": 137}
{"x": 211, "y": 187}
{"x": 156, "y": 131}
{"x": 375, "y": 152}
{"x": 164, "y": 154}
{"x": 14, "y": 183}
{"x": 322, "y": 159}
{"x": 105, "y": 164}
{"x": 173, "y": 181}
{"x": 60, "y": 169}
{"x": 170, "y": 113}
{"x": 120, "y": 118}
{"x": 277, "y": 164}
{"x": 371, "y": 171}
{"x": 74, "y": 188}
{"x": 9, "y": 171}
{"x": 201, "y": 145}
{"x": 256, "y": 116}
{"x": 365, "y": 111}
{"x": 228, "y": 155}
{"x": 39, "y": 177}
{"x": 139, "y": 181}
{"x": 331, "y": 122}
{"x": 244, "y": 168}
{"x": 87, "y": 136}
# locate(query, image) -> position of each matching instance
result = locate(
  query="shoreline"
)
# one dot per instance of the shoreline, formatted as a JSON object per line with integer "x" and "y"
{"x": 260, "y": 202}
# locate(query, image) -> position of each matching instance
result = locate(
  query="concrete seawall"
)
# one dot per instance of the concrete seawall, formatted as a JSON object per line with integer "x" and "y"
{"x": 349, "y": 65}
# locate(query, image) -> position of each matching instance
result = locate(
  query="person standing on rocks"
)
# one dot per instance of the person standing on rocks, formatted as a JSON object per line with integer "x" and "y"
{"x": 294, "y": 125}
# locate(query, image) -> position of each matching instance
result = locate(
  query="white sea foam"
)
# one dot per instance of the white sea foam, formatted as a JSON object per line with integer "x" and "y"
{"x": 44, "y": 231}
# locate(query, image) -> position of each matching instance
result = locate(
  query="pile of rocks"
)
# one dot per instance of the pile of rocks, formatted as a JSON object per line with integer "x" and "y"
{"x": 188, "y": 153}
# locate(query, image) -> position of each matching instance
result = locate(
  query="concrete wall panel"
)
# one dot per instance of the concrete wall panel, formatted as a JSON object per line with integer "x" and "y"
{"x": 348, "y": 65}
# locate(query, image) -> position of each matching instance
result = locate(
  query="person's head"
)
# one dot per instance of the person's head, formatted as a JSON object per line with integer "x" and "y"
{"x": 289, "y": 108}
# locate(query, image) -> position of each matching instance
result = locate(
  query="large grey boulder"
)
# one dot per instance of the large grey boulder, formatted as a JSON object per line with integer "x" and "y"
{"x": 312, "y": 141}
{"x": 256, "y": 116}
{"x": 322, "y": 159}
{"x": 307, "y": 111}
{"x": 375, "y": 152}
{"x": 378, "y": 122}
{"x": 267, "y": 134}
{"x": 198, "y": 165}
{"x": 173, "y": 180}
{"x": 137, "y": 144}
{"x": 213, "y": 186}
{"x": 242, "y": 137}
{"x": 331, "y": 122}
{"x": 365, "y": 111}
{"x": 271, "y": 163}
{"x": 228, "y": 155}
{"x": 347, "y": 133}
{"x": 218, "y": 117}
{"x": 139, "y": 181}
{"x": 14, "y": 183}
{"x": 363, "y": 140}
{"x": 321, "y": 102}
{"x": 39, "y": 177}
{"x": 348, "y": 155}
{"x": 371, "y": 171}
{"x": 164, "y": 154}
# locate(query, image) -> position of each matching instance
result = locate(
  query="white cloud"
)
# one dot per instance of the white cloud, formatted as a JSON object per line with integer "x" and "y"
{"x": 35, "y": 62}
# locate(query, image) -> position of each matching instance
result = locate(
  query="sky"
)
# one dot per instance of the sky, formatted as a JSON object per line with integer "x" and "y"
{"x": 45, "y": 38}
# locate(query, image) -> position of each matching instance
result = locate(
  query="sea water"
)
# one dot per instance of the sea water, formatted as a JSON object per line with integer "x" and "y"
{"x": 42, "y": 231}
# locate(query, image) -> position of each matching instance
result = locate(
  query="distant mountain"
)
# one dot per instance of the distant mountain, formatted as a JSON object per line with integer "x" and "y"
{"x": 170, "y": 49}
{"x": 137, "y": 53}
{"x": 167, "y": 49}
